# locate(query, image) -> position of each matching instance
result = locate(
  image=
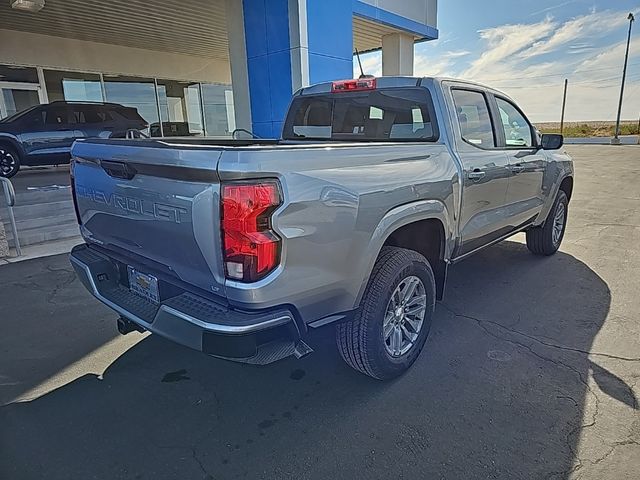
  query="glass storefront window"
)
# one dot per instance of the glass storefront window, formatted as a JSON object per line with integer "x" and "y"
{"x": 218, "y": 109}
{"x": 19, "y": 89}
{"x": 180, "y": 108}
{"x": 185, "y": 108}
{"x": 73, "y": 86}
{"x": 135, "y": 92}
{"x": 15, "y": 100}
{"x": 10, "y": 73}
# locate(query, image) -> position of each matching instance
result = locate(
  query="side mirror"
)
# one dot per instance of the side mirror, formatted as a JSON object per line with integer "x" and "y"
{"x": 551, "y": 141}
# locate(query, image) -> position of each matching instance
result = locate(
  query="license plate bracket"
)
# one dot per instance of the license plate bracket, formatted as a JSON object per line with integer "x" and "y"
{"x": 144, "y": 285}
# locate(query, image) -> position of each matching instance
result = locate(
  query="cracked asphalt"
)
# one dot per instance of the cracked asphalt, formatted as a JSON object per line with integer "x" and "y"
{"x": 531, "y": 371}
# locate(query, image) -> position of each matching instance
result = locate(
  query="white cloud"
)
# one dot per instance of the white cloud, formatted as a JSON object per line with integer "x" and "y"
{"x": 530, "y": 62}
{"x": 586, "y": 26}
{"x": 504, "y": 42}
{"x": 609, "y": 59}
{"x": 424, "y": 66}
{"x": 456, "y": 54}
{"x": 579, "y": 49}
{"x": 512, "y": 64}
{"x": 440, "y": 66}
{"x": 371, "y": 64}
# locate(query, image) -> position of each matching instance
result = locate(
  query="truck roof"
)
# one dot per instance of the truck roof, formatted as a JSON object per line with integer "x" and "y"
{"x": 86, "y": 102}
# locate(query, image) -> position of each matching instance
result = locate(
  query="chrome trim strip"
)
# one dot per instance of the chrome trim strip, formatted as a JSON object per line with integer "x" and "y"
{"x": 209, "y": 327}
{"x": 226, "y": 328}
{"x": 491, "y": 243}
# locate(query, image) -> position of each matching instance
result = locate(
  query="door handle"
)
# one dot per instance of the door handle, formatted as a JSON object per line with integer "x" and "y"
{"x": 517, "y": 168}
{"x": 476, "y": 175}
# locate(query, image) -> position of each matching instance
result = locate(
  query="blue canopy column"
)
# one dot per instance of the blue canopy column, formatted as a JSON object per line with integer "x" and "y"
{"x": 290, "y": 44}
{"x": 278, "y": 46}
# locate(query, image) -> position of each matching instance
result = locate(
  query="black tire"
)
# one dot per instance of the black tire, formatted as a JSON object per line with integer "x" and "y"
{"x": 540, "y": 240}
{"x": 360, "y": 340}
{"x": 9, "y": 161}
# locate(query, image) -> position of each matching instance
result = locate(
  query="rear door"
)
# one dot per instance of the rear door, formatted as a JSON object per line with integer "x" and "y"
{"x": 92, "y": 121}
{"x": 49, "y": 139}
{"x": 485, "y": 170}
{"x": 527, "y": 162}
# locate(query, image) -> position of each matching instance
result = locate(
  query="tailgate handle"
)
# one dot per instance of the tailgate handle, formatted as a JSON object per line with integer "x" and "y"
{"x": 118, "y": 169}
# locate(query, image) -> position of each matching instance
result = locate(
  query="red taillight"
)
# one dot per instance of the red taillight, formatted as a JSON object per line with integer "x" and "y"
{"x": 354, "y": 85}
{"x": 251, "y": 249}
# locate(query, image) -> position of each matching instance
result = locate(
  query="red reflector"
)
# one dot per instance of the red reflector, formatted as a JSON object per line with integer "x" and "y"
{"x": 354, "y": 85}
{"x": 251, "y": 248}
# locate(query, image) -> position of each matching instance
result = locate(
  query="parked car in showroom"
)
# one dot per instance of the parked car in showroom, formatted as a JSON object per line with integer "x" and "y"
{"x": 171, "y": 129}
{"x": 43, "y": 135}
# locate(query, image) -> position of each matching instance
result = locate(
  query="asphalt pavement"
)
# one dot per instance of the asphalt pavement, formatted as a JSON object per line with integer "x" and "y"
{"x": 530, "y": 372}
{"x": 41, "y": 179}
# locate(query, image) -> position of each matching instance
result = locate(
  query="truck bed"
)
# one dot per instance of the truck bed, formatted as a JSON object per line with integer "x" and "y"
{"x": 157, "y": 201}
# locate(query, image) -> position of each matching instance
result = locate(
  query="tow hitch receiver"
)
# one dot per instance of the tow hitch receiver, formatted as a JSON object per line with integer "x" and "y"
{"x": 126, "y": 326}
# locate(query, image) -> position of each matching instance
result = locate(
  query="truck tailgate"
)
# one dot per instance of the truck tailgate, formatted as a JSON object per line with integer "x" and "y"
{"x": 140, "y": 199}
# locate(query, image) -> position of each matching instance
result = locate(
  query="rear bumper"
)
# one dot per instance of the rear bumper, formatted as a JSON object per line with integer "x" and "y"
{"x": 192, "y": 320}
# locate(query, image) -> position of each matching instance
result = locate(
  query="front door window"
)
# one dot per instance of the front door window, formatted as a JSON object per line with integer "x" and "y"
{"x": 517, "y": 131}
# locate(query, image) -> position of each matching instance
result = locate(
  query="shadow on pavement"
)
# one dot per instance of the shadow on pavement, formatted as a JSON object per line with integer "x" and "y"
{"x": 47, "y": 322}
{"x": 613, "y": 386}
{"x": 495, "y": 394}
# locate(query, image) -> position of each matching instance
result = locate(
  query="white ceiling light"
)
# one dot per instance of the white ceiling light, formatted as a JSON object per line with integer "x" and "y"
{"x": 28, "y": 5}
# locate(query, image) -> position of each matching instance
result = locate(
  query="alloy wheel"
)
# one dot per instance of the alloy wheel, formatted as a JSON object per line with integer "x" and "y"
{"x": 404, "y": 316}
{"x": 7, "y": 162}
{"x": 558, "y": 223}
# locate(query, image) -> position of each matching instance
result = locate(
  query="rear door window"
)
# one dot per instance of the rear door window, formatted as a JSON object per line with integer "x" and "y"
{"x": 33, "y": 119}
{"x": 473, "y": 116}
{"x": 387, "y": 114}
{"x": 57, "y": 116}
{"x": 90, "y": 114}
{"x": 312, "y": 118}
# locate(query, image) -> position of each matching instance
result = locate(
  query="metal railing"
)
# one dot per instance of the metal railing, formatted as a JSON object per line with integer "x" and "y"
{"x": 10, "y": 196}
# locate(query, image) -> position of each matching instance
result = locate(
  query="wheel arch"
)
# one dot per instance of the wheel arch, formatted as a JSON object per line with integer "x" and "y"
{"x": 427, "y": 237}
{"x": 408, "y": 226}
{"x": 566, "y": 185}
{"x": 14, "y": 151}
{"x": 563, "y": 182}
{"x": 12, "y": 142}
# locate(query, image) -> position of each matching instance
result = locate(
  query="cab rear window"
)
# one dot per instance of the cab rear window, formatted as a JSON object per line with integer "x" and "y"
{"x": 395, "y": 114}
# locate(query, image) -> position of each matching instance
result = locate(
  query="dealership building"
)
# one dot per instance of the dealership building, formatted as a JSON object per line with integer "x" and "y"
{"x": 210, "y": 66}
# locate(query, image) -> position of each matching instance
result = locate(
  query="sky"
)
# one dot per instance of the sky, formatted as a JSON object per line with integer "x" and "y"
{"x": 527, "y": 49}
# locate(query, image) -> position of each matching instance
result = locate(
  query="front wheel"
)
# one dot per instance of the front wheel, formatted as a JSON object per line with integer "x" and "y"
{"x": 393, "y": 321}
{"x": 546, "y": 239}
{"x": 9, "y": 161}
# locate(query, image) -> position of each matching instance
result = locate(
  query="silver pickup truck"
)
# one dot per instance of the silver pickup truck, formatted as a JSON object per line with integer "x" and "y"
{"x": 238, "y": 248}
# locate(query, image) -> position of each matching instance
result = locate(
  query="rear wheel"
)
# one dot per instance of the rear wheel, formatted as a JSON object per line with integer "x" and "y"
{"x": 390, "y": 329}
{"x": 546, "y": 239}
{"x": 9, "y": 161}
